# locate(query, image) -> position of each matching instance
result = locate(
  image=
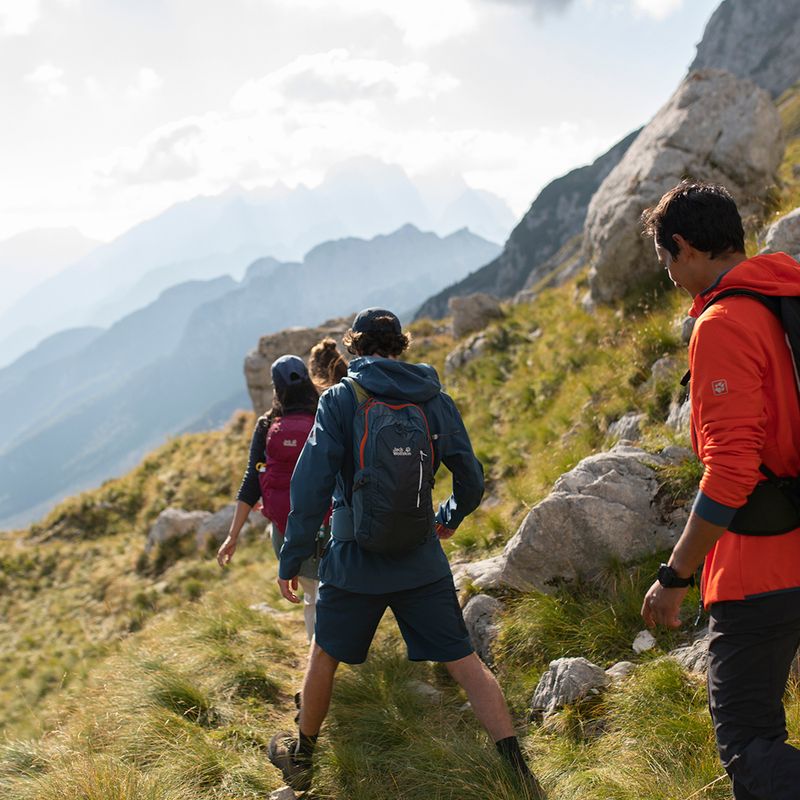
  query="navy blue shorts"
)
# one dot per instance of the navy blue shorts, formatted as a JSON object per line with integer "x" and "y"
{"x": 429, "y": 617}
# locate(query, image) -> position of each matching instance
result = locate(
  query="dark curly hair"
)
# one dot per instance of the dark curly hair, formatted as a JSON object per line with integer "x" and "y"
{"x": 704, "y": 214}
{"x": 384, "y": 343}
{"x": 327, "y": 365}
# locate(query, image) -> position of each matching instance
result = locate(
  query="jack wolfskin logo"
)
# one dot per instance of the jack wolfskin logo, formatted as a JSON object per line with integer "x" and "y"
{"x": 719, "y": 387}
{"x": 290, "y": 442}
{"x": 402, "y": 451}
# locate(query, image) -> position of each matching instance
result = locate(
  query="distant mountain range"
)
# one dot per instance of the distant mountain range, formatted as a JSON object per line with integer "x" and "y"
{"x": 86, "y": 404}
{"x": 207, "y": 237}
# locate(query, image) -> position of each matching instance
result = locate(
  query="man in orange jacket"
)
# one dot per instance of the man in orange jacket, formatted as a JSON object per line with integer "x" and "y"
{"x": 745, "y": 425}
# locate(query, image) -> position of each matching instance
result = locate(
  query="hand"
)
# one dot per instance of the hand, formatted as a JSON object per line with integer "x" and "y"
{"x": 226, "y": 550}
{"x": 442, "y": 532}
{"x": 661, "y": 606}
{"x": 288, "y": 589}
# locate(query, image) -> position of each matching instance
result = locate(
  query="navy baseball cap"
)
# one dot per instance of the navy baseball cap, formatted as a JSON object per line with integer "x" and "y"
{"x": 369, "y": 321}
{"x": 288, "y": 370}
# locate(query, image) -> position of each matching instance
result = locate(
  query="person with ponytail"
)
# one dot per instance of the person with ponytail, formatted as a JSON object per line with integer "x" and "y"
{"x": 327, "y": 365}
{"x": 277, "y": 441}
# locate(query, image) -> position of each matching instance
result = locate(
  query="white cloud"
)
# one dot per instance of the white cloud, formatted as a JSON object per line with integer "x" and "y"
{"x": 17, "y": 17}
{"x": 147, "y": 81}
{"x": 658, "y": 9}
{"x": 48, "y": 78}
{"x": 422, "y": 22}
{"x": 336, "y": 76}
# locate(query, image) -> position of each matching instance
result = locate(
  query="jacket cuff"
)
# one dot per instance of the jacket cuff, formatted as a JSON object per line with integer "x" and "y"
{"x": 712, "y": 511}
{"x": 287, "y": 571}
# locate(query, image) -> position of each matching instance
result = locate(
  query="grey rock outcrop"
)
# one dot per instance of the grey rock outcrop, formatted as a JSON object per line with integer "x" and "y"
{"x": 473, "y": 312}
{"x": 715, "y": 127}
{"x": 784, "y": 235}
{"x": 565, "y": 682}
{"x": 680, "y": 416}
{"x": 298, "y": 341}
{"x": 426, "y": 692}
{"x": 619, "y": 671}
{"x": 605, "y": 508}
{"x": 174, "y": 523}
{"x": 479, "y": 616}
{"x": 467, "y": 351}
{"x": 216, "y": 526}
{"x": 694, "y": 656}
{"x": 555, "y": 217}
{"x": 754, "y": 40}
{"x": 628, "y": 426}
{"x": 687, "y": 326}
{"x": 284, "y": 793}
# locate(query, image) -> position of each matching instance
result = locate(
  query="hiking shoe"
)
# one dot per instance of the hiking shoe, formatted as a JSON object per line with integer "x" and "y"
{"x": 296, "y": 772}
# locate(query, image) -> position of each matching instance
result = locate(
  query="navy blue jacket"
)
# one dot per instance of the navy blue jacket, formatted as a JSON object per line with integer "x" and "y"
{"x": 326, "y": 467}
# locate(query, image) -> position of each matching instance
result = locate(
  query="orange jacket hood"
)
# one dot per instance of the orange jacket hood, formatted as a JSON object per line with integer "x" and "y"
{"x": 772, "y": 274}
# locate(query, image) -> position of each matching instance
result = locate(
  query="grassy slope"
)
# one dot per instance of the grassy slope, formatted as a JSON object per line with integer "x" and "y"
{"x": 125, "y": 677}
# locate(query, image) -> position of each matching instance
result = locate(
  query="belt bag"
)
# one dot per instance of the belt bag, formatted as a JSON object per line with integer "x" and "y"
{"x": 773, "y": 507}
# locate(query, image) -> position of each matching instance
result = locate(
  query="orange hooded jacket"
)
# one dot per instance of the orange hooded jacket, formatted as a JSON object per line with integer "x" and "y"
{"x": 745, "y": 412}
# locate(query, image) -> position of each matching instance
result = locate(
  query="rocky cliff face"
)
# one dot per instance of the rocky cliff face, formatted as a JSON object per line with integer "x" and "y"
{"x": 298, "y": 341}
{"x": 758, "y": 41}
{"x": 557, "y": 214}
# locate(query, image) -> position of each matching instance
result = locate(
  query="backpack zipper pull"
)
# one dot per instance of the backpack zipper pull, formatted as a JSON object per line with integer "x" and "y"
{"x": 419, "y": 488}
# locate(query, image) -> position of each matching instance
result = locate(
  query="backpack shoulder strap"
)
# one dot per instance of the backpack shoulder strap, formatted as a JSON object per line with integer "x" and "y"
{"x": 772, "y": 303}
{"x": 361, "y": 394}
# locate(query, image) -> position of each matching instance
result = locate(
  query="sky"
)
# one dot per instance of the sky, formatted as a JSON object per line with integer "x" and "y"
{"x": 114, "y": 110}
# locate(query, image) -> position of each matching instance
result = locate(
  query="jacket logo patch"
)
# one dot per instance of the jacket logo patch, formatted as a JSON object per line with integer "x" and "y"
{"x": 290, "y": 442}
{"x": 402, "y": 451}
{"x": 719, "y": 387}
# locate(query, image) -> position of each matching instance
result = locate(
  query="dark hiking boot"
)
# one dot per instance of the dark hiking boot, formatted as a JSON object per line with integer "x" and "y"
{"x": 281, "y": 752}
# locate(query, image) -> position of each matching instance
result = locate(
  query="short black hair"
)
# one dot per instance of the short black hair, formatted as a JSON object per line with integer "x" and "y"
{"x": 705, "y": 214}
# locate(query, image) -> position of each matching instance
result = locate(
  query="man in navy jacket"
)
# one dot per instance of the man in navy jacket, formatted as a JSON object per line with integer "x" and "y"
{"x": 357, "y": 586}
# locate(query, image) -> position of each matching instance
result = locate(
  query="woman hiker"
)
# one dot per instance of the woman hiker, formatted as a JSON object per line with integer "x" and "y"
{"x": 277, "y": 440}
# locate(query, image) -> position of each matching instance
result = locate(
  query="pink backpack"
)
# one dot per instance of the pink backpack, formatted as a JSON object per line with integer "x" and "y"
{"x": 285, "y": 440}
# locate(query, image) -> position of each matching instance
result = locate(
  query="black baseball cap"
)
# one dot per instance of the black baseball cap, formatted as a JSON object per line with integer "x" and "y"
{"x": 288, "y": 370}
{"x": 376, "y": 320}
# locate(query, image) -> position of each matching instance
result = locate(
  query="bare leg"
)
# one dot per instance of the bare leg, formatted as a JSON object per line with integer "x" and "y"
{"x": 317, "y": 690}
{"x": 485, "y": 695}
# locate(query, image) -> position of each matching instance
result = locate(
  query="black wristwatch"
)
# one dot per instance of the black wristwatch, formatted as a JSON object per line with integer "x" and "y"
{"x": 670, "y": 579}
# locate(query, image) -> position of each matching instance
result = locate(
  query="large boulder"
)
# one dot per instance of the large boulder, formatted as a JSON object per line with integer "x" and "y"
{"x": 297, "y": 341}
{"x": 716, "y": 127}
{"x": 565, "y": 682}
{"x": 473, "y": 312}
{"x": 479, "y": 615}
{"x": 607, "y": 508}
{"x": 784, "y": 235}
{"x": 174, "y": 523}
{"x": 215, "y": 527}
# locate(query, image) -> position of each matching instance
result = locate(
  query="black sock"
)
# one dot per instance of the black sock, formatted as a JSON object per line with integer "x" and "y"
{"x": 305, "y": 746}
{"x": 510, "y": 750}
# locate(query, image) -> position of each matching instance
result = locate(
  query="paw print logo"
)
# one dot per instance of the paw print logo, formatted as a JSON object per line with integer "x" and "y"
{"x": 719, "y": 387}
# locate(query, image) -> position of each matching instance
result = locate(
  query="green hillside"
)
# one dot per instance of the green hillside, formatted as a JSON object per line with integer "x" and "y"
{"x": 133, "y": 676}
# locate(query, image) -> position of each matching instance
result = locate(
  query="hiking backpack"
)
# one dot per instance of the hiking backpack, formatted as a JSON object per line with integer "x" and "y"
{"x": 392, "y": 499}
{"x": 773, "y": 508}
{"x": 285, "y": 439}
